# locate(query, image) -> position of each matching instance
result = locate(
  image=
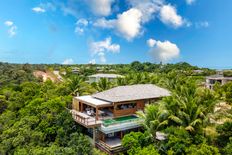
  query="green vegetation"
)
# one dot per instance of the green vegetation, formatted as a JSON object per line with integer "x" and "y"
{"x": 187, "y": 119}
{"x": 34, "y": 116}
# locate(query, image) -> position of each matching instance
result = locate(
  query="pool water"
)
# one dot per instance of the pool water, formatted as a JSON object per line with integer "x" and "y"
{"x": 119, "y": 120}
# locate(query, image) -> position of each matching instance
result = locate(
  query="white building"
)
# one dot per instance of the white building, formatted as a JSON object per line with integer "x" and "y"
{"x": 211, "y": 80}
{"x": 97, "y": 77}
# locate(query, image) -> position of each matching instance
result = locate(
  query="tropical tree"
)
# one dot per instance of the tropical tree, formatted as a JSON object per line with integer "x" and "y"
{"x": 103, "y": 84}
{"x": 77, "y": 85}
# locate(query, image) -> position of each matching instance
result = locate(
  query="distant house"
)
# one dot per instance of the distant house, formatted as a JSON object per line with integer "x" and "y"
{"x": 75, "y": 70}
{"x": 198, "y": 71}
{"x": 211, "y": 80}
{"x": 109, "y": 115}
{"x": 97, "y": 77}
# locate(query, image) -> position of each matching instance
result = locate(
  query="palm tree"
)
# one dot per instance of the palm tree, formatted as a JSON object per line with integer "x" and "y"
{"x": 120, "y": 81}
{"x": 188, "y": 107}
{"x": 78, "y": 86}
{"x": 155, "y": 119}
{"x": 103, "y": 84}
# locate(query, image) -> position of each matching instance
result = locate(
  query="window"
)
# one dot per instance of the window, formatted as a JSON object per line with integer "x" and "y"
{"x": 126, "y": 106}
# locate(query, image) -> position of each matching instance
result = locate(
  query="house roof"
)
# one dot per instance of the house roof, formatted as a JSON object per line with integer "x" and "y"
{"x": 93, "y": 101}
{"x": 218, "y": 77}
{"x": 132, "y": 93}
{"x": 105, "y": 75}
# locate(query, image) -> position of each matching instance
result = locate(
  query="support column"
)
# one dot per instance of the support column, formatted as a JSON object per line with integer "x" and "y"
{"x": 114, "y": 110}
{"x": 103, "y": 137}
{"x": 94, "y": 136}
{"x": 96, "y": 113}
{"x": 121, "y": 135}
{"x": 81, "y": 107}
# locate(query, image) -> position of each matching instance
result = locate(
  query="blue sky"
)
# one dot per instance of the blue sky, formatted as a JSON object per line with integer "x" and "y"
{"x": 116, "y": 31}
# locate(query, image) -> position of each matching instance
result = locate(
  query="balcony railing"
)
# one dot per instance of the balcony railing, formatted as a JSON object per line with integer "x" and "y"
{"x": 84, "y": 119}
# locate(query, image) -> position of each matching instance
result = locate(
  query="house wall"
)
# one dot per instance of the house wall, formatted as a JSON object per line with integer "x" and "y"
{"x": 75, "y": 104}
{"x": 124, "y": 112}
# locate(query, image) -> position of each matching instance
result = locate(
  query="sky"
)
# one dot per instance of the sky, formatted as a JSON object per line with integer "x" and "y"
{"x": 116, "y": 31}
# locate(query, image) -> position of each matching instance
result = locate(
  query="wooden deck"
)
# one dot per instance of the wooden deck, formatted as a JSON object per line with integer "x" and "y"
{"x": 85, "y": 119}
{"x": 110, "y": 146}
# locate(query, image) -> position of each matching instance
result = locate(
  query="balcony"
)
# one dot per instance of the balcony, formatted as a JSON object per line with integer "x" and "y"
{"x": 85, "y": 119}
{"x": 111, "y": 145}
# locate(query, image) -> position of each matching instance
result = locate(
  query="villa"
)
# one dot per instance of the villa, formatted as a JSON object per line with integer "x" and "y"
{"x": 219, "y": 78}
{"x": 109, "y": 115}
{"x": 97, "y": 77}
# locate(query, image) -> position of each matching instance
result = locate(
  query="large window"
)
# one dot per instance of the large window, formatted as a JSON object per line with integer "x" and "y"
{"x": 126, "y": 106}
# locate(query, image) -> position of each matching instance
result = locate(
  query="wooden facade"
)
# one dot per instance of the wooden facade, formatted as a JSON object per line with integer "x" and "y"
{"x": 114, "y": 108}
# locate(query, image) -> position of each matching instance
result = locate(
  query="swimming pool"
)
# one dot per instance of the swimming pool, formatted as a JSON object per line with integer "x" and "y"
{"x": 120, "y": 120}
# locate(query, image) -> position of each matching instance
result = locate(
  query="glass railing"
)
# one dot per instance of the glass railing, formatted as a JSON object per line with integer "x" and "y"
{"x": 125, "y": 125}
{"x": 110, "y": 122}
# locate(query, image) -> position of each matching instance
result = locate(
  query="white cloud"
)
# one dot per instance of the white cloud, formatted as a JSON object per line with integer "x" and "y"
{"x": 82, "y": 21}
{"x": 104, "y": 46}
{"x": 99, "y": 48}
{"x": 8, "y": 23}
{"x": 101, "y": 7}
{"x": 164, "y": 51}
{"x": 202, "y": 24}
{"x": 129, "y": 23}
{"x": 38, "y": 10}
{"x": 12, "y": 31}
{"x": 81, "y": 25}
{"x": 93, "y": 61}
{"x": 68, "y": 61}
{"x": 103, "y": 23}
{"x": 151, "y": 42}
{"x": 189, "y": 2}
{"x": 147, "y": 7}
{"x": 169, "y": 16}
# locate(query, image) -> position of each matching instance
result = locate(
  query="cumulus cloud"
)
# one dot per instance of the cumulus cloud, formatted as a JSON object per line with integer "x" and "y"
{"x": 104, "y": 46}
{"x": 12, "y": 29}
{"x": 99, "y": 48}
{"x": 147, "y": 7}
{"x": 81, "y": 25}
{"x": 189, "y": 2}
{"x": 163, "y": 51}
{"x": 68, "y": 61}
{"x": 129, "y": 23}
{"x": 169, "y": 16}
{"x": 151, "y": 42}
{"x": 101, "y": 7}
{"x": 38, "y": 9}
